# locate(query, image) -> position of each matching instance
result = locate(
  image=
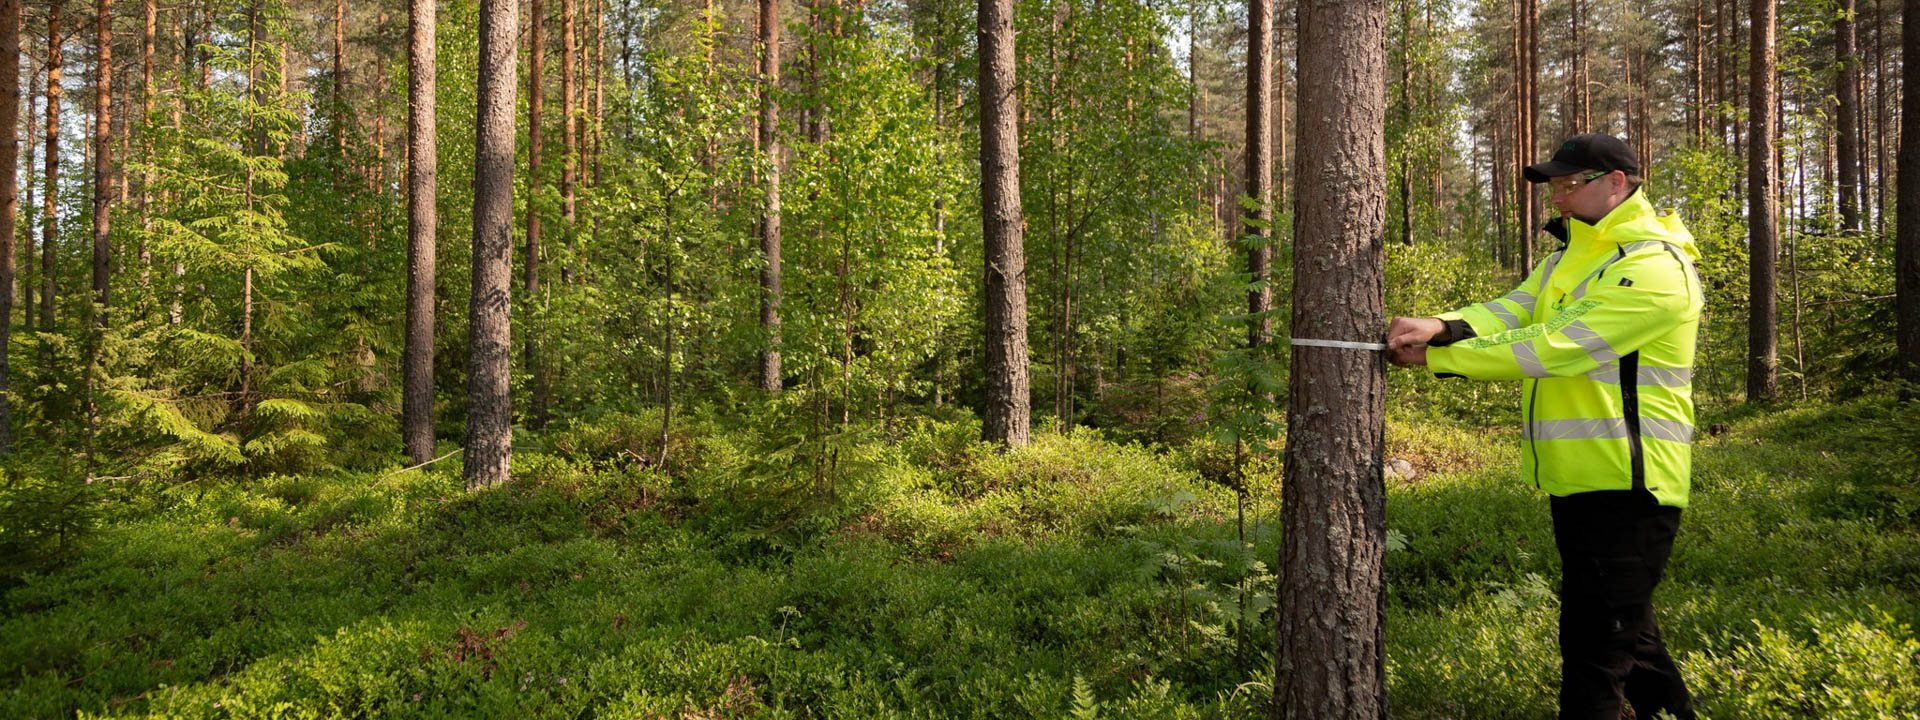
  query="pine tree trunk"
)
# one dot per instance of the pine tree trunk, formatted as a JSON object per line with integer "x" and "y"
{"x": 377, "y": 173}
{"x": 246, "y": 402}
{"x": 1330, "y": 646}
{"x": 423, "y": 168}
{"x": 1405, "y": 186}
{"x": 1847, "y": 65}
{"x": 9, "y": 200}
{"x": 536, "y": 103}
{"x": 102, "y": 152}
{"x": 176, "y": 310}
{"x": 1257, "y": 226}
{"x": 1497, "y": 159}
{"x": 1697, "y": 113}
{"x": 1282, "y": 134}
{"x": 1882, "y": 140}
{"x": 340, "y": 80}
{"x": 1193, "y": 70}
{"x": 1527, "y": 109}
{"x": 1007, "y": 411}
{"x": 149, "y": 28}
{"x": 770, "y": 374}
{"x": 50, "y": 189}
{"x": 599, "y": 65}
{"x": 489, "y": 445}
{"x": 1762, "y": 217}
{"x": 569, "y": 144}
{"x": 1907, "y": 210}
{"x": 26, "y": 206}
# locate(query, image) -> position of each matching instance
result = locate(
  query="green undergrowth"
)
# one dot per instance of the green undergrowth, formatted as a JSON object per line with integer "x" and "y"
{"x": 908, "y": 571}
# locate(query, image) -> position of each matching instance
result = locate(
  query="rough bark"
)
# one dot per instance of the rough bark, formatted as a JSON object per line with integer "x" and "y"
{"x": 1907, "y": 205}
{"x": 245, "y": 402}
{"x": 599, "y": 86}
{"x": 1404, "y": 166}
{"x": 1007, "y": 420}
{"x": 102, "y": 152}
{"x": 1527, "y": 110}
{"x": 1330, "y": 649}
{"x": 150, "y": 23}
{"x": 489, "y": 406}
{"x": 1763, "y": 343}
{"x": 423, "y": 168}
{"x": 50, "y": 189}
{"x": 1257, "y": 225}
{"x": 340, "y": 79}
{"x": 9, "y": 201}
{"x": 29, "y": 313}
{"x": 1847, "y": 118}
{"x": 770, "y": 379}
{"x": 536, "y": 104}
{"x": 569, "y": 114}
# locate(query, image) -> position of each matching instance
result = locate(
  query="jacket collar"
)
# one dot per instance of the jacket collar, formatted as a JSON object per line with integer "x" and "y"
{"x": 1584, "y": 239}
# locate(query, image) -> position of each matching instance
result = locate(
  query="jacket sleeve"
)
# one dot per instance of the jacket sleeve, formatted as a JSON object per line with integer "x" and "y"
{"x": 1641, "y": 297}
{"x": 1506, "y": 312}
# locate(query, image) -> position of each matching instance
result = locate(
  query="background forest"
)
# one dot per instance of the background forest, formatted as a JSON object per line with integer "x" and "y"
{"x": 750, "y": 377}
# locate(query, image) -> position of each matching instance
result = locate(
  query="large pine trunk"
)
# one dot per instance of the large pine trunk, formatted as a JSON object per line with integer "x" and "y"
{"x": 102, "y": 151}
{"x": 1907, "y": 210}
{"x": 1257, "y": 225}
{"x": 50, "y": 193}
{"x": 1763, "y": 343}
{"x": 536, "y": 103}
{"x": 569, "y": 144}
{"x": 770, "y": 213}
{"x": 489, "y": 406}
{"x": 9, "y": 201}
{"x": 1008, "y": 405}
{"x": 1847, "y": 117}
{"x": 1330, "y": 651}
{"x": 340, "y": 80}
{"x": 423, "y": 168}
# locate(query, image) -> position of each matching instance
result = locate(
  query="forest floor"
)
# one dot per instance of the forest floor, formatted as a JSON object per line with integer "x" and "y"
{"x": 909, "y": 572}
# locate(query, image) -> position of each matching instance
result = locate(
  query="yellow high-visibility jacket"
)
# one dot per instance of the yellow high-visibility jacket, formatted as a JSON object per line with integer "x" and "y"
{"x": 1602, "y": 334}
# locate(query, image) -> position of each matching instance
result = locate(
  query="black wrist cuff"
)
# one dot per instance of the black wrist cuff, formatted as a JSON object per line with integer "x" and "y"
{"x": 1456, "y": 331}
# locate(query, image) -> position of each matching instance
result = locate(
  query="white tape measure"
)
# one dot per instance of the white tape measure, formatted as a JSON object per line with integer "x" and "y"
{"x": 1338, "y": 344}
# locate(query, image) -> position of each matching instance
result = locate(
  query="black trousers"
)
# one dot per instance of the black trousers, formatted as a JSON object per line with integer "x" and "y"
{"x": 1613, "y": 551}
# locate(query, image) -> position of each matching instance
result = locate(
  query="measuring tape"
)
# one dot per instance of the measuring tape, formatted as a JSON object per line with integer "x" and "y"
{"x": 1337, "y": 344}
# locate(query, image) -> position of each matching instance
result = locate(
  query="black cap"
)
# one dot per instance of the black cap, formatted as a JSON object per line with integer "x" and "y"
{"x": 1591, "y": 151}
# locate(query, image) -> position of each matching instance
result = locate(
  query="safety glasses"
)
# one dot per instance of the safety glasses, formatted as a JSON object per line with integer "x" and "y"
{"x": 1568, "y": 184}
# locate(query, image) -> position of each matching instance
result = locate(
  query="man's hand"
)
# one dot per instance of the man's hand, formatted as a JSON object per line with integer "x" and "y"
{"x": 1407, "y": 339}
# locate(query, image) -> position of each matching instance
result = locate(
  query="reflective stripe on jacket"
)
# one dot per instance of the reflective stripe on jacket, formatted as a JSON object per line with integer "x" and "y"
{"x": 1602, "y": 333}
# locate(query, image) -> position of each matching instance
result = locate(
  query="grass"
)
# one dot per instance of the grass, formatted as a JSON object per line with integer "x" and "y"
{"x": 916, "y": 574}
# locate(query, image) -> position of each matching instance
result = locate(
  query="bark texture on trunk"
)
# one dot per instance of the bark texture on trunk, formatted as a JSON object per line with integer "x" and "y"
{"x": 489, "y": 405}
{"x": 1907, "y": 250}
{"x": 1847, "y": 117}
{"x": 1257, "y": 226}
{"x": 770, "y": 379}
{"x": 1763, "y": 243}
{"x": 1007, "y": 419}
{"x": 1329, "y": 645}
{"x": 9, "y": 199}
{"x": 50, "y": 190}
{"x": 102, "y": 152}
{"x": 536, "y": 112}
{"x": 423, "y": 182}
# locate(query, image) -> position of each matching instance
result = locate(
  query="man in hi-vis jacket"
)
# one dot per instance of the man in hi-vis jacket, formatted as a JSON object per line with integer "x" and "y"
{"x": 1601, "y": 334}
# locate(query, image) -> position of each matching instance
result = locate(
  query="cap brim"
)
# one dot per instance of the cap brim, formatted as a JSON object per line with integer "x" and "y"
{"x": 1549, "y": 170}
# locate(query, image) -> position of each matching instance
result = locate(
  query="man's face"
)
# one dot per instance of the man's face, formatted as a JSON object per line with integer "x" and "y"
{"x": 1587, "y": 195}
